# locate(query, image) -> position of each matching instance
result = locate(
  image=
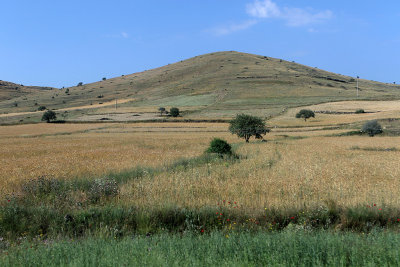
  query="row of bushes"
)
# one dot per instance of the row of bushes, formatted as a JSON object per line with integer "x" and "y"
{"x": 18, "y": 220}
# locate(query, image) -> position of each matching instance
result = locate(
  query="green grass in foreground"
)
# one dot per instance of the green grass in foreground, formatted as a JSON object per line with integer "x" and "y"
{"x": 288, "y": 248}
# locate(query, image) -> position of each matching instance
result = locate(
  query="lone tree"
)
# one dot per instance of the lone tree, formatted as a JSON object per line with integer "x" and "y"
{"x": 174, "y": 112}
{"x": 306, "y": 114}
{"x": 162, "y": 110}
{"x": 41, "y": 108}
{"x": 246, "y": 126}
{"x": 49, "y": 116}
{"x": 372, "y": 128}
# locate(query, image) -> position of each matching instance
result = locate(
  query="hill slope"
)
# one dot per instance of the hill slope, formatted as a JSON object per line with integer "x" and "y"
{"x": 9, "y": 90}
{"x": 216, "y": 85}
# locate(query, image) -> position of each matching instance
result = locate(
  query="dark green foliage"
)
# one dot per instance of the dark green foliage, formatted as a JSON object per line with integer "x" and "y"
{"x": 372, "y": 128}
{"x": 174, "y": 112}
{"x": 67, "y": 91}
{"x": 15, "y": 104}
{"x": 104, "y": 78}
{"x": 220, "y": 147}
{"x": 359, "y": 111}
{"x": 41, "y": 108}
{"x": 49, "y": 116}
{"x": 246, "y": 126}
{"x": 80, "y": 84}
{"x": 306, "y": 114}
{"x": 162, "y": 110}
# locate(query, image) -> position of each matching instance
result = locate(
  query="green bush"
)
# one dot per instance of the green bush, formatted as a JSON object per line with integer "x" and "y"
{"x": 359, "y": 111}
{"x": 219, "y": 146}
{"x": 174, "y": 112}
{"x": 41, "y": 108}
{"x": 306, "y": 114}
{"x": 49, "y": 116}
{"x": 372, "y": 128}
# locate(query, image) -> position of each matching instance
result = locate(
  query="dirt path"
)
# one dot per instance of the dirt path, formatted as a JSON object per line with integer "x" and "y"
{"x": 105, "y": 104}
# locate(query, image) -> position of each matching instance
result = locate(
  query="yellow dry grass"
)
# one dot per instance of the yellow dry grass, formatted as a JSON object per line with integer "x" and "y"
{"x": 286, "y": 174}
{"x": 26, "y": 130}
{"x": 99, "y": 150}
{"x": 283, "y": 172}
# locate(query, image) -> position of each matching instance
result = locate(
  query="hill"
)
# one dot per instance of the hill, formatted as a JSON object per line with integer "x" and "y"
{"x": 216, "y": 85}
{"x": 9, "y": 90}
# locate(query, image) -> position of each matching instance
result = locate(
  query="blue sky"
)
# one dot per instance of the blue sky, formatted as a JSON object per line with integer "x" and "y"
{"x": 61, "y": 43}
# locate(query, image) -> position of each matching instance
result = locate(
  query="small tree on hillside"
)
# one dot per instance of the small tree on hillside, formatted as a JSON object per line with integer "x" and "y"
{"x": 41, "y": 108}
{"x": 162, "y": 110}
{"x": 49, "y": 116}
{"x": 174, "y": 112}
{"x": 246, "y": 126}
{"x": 306, "y": 114}
{"x": 372, "y": 128}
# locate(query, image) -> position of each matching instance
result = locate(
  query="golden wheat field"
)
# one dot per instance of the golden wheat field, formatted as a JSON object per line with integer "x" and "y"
{"x": 283, "y": 172}
{"x": 72, "y": 150}
{"x": 287, "y": 174}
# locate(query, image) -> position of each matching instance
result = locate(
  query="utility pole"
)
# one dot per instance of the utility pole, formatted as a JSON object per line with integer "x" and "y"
{"x": 358, "y": 77}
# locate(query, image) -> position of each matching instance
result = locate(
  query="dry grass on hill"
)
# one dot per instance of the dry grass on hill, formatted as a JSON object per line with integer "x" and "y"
{"x": 216, "y": 85}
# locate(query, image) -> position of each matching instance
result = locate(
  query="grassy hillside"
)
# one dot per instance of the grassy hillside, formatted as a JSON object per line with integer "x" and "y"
{"x": 9, "y": 90}
{"x": 216, "y": 85}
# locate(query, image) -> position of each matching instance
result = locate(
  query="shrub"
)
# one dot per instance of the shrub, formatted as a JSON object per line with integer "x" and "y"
{"x": 359, "y": 111}
{"x": 103, "y": 188}
{"x": 372, "y": 128}
{"x": 220, "y": 147}
{"x": 174, "y": 112}
{"x": 80, "y": 84}
{"x": 41, "y": 108}
{"x": 49, "y": 116}
{"x": 306, "y": 114}
{"x": 104, "y": 78}
{"x": 246, "y": 126}
{"x": 67, "y": 91}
